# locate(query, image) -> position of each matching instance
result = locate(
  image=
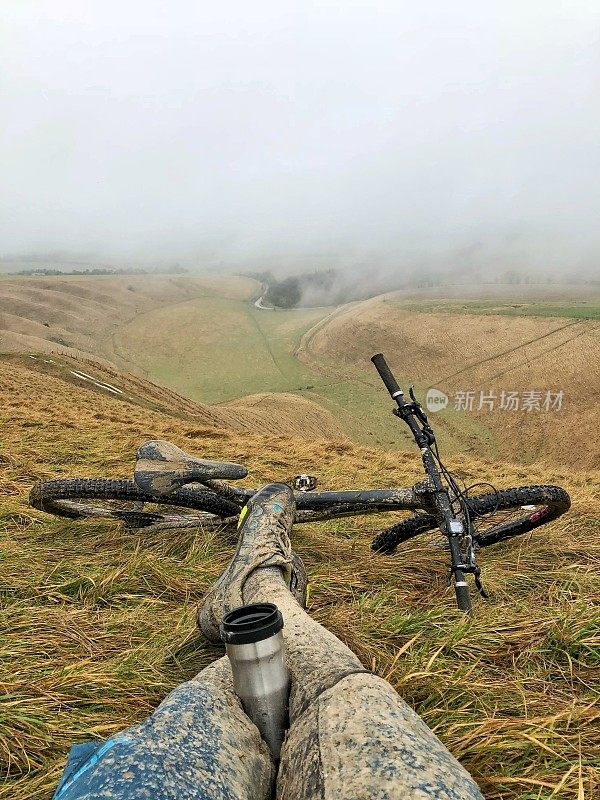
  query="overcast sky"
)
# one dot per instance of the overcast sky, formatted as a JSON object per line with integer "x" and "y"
{"x": 260, "y": 130}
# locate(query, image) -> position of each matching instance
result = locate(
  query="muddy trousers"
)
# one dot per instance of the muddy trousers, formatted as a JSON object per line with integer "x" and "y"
{"x": 351, "y": 736}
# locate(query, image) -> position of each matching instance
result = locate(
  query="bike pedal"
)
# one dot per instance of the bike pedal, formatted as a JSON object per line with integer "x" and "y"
{"x": 305, "y": 483}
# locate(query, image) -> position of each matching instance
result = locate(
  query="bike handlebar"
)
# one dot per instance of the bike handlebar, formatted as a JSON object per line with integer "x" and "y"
{"x": 386, "y": 376}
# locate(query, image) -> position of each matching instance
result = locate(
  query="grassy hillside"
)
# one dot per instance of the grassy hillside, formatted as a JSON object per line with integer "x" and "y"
{"x": 216, "y": 349}
{"x": 232, "y": 349}
{"x": 98, "y": 625}
{"x": 61, "y": 324}
{"x": 455, "y": 351}
{"x": 80, "y": 314}
{"x": 198, "y": 335}
{"x": 273, "y": 414}
{"x": 477, "y": 345}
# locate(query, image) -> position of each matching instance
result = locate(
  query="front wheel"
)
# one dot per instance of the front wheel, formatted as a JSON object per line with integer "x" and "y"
{"x": 496, "y": 516}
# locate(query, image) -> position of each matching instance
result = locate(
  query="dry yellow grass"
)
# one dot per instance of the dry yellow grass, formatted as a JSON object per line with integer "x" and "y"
{"x": 98, "y": 624}
{"x": 267, "y": 414}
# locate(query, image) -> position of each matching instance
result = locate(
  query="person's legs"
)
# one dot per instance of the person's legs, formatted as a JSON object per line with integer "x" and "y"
{"x": 197, "y": 745}
{"x": 350, "y": 735}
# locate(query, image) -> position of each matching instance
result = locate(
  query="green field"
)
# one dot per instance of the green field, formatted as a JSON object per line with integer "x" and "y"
{"x": 213, "y": 350}
{"x": 575, "y": 310}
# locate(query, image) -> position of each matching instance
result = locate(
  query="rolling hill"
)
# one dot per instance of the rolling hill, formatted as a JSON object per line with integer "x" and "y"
{"x": 72, "y": 324}
{"x": 79, "y": 314}
{"x": 455, "y": 348}
{"x": 267, "y": 415}
{"x": 308, "y": 369}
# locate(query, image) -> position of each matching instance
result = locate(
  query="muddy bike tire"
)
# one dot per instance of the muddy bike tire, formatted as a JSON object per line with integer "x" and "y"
{"x": 549, "y": 503}
{"x": 66, "y": 498}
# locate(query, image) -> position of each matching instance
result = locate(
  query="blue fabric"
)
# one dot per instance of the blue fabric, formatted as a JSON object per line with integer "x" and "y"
{"x": 171, "y": 755}
{"x": 83, "y": 757}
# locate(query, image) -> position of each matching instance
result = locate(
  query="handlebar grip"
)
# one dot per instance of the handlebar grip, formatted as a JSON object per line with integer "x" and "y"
{"x": 386, "y": 376}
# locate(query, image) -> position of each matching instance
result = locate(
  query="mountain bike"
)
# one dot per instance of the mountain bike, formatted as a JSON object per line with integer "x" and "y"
{"x": 173, "y": 489}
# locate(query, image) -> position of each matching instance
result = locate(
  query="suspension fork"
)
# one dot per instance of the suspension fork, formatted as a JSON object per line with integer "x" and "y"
{"x": 451, "y": 526}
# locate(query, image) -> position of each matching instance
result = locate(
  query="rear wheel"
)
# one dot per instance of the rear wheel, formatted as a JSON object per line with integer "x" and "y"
{"x": 496, "y": 516}
{"x": 124, "y": 500}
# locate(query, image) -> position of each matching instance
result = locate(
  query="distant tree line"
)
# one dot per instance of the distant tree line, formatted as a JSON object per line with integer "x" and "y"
{"x": 93, "y": 271}
{"x": 174, "y": 269}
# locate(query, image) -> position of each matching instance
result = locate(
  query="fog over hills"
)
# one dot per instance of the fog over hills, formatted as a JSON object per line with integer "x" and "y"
{"x": 303, "y": 135}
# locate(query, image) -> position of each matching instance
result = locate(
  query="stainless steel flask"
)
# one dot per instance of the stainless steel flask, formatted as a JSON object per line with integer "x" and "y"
{"x": 254, "y": 643}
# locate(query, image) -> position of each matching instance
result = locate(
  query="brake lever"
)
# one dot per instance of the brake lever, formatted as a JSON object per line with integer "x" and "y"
{"x": 417, "y": 407}
{"x": 417, "y": 410}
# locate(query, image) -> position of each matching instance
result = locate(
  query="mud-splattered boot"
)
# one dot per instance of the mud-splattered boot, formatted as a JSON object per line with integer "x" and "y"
{"x": 264, "y": 541}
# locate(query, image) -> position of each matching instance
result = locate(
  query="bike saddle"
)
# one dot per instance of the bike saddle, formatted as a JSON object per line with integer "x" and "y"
{"x": 161, "y": 468}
